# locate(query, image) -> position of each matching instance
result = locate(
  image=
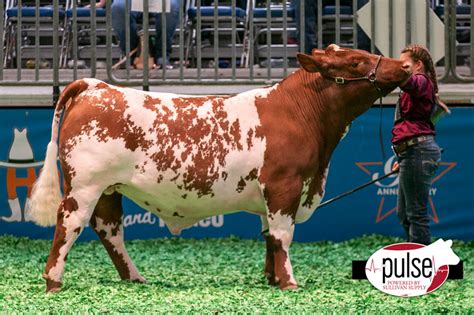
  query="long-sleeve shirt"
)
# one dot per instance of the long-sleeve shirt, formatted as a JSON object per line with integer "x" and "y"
{"x": 415, "y": 106}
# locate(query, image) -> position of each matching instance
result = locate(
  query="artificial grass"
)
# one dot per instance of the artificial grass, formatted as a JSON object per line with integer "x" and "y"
{"x": 213, "y": 276}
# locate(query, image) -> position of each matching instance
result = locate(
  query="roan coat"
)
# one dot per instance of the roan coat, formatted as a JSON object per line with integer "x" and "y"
{"x": 185, "y": 158}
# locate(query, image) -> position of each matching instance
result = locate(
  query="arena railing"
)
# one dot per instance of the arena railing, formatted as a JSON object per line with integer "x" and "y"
{"x": 220, "y": 42}
{"x": 461, "y": 37}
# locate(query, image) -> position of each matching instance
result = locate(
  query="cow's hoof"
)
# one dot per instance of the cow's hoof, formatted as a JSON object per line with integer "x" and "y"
{"x": 289, "y": 286}
{"x": 53, "y": 290}
{"x": 52, "y": 286}
{"x": 271, "y": 279}
{"x": 139, "y": 280}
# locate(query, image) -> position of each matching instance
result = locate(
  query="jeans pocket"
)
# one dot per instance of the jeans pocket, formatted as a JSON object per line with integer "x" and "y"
{"x": 430, "y": 167}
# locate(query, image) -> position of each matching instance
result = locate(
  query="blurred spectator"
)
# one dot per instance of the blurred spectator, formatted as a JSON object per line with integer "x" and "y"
{"x": 310, "y": 19}
{"x": 310, "y": 14}
{"x": 118, "y": 23}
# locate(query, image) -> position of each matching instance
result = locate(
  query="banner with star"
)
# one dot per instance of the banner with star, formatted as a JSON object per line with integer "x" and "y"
{"x": 25, "y": 132}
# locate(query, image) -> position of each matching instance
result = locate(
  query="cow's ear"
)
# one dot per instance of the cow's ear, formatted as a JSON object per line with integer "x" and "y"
{"x": 311, "y": 63}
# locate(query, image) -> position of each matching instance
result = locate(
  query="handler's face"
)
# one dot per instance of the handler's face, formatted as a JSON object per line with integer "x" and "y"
{"x": 415, "y": 67}
{"x": 406, "y": 59}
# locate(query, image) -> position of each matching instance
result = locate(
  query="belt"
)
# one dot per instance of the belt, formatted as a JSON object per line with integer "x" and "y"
{"x": 403, "y": 146}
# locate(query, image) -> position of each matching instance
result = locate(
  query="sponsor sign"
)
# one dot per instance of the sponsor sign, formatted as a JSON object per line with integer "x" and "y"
{"x": 410, "y": 269}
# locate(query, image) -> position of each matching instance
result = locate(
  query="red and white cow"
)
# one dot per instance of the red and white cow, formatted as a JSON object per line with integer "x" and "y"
{"x": 185, "y": 158}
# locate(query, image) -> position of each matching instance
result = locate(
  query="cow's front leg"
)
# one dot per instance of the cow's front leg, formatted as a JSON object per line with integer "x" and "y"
{"x": 282, "y": 203}
{"x": 270, "y": 256}
{"x": 73, "y": 214}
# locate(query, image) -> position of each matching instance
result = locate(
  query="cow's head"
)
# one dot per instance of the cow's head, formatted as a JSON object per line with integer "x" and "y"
{"x": 351, "y": 69}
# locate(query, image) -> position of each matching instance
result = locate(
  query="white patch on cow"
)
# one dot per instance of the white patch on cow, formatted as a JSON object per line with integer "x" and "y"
{"x": 101, "y": 105}
{"x": 139, "y": 115}
{"x": 282, "y": 228}
{"x": 346, "y": 131}
{"x": 289, "y": 270}
{"x": 104, "y": 162}
{"x": 95, "y": 93}
{"x": 305, "y": 212}
{"x": 205, "y": 110}
{"x": 335, "y": 47}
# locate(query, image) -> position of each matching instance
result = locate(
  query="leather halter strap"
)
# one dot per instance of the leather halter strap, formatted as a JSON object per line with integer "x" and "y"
{"x": 371, "y": 77}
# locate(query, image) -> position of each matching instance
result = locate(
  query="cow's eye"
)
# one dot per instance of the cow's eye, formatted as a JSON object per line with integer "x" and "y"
{"x": 355, "y": 64}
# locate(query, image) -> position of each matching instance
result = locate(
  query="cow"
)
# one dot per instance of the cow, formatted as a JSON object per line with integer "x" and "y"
{"x": 185, "y": 158}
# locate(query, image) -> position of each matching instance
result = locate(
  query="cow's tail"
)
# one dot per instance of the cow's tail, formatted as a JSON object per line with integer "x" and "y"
{"x": 46, "y": 194}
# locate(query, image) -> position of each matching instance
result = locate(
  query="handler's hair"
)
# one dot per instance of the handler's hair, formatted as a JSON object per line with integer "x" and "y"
{"x": 419, "y": 52}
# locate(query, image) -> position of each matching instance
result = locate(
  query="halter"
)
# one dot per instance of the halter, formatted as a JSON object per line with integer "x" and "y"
{"x": 371, "y": 77}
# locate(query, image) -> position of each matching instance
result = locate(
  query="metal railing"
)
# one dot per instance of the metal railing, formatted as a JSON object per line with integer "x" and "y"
{"x": 215, "y": 44}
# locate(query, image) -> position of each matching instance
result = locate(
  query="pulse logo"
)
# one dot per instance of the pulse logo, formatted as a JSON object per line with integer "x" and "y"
{"x": 410, "y": 269}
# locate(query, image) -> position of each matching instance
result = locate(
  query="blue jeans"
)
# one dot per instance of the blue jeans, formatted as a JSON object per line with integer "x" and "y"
{"x": 118, "y": 23}
{"x": 310, "y": 7}
{"x": 418, "y": 165}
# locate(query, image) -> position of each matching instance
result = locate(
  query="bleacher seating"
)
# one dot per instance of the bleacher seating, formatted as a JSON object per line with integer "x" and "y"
{"x": 329, "y": 25}
{"x": 211, "y": 18}
{"x": 84, "y": 36}
{"x": 28, "y": 31}
{"x": 463, "y": 31}
{"x": 222, "y": 20}
{"x": 275, "y": 30}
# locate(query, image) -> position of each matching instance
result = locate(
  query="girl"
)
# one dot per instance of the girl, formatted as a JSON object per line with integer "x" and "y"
{"x": 414, "y": 143}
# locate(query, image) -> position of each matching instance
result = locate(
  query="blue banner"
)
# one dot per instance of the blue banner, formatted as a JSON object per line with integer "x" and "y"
{"x": 358, "y": 159}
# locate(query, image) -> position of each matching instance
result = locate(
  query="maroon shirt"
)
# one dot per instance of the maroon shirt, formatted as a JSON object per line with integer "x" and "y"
{"x": 416, "y": 104}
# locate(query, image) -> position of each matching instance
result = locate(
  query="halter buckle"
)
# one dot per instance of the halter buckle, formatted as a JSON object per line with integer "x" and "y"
{"x": 339, "y": 80}
{"x": 372, "y": 77}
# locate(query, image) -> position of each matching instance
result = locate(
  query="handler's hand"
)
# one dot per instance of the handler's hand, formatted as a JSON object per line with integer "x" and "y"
{"x": 395, "y": 167}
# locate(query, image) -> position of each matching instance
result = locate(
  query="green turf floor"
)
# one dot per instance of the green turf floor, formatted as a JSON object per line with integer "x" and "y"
{"x": 211, "y": 276}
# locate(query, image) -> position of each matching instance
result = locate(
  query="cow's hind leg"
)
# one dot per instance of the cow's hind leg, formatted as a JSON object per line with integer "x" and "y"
{"x": 73, "y": 214}
{"x": 107, "y": 223}
{"x": 270, "y": 255}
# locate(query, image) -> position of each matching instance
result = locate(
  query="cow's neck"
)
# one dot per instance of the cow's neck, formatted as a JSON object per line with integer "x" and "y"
{"x": 321, "y": 109}
{"x": 318, "y": 108}
{"x": 303, "y": 119}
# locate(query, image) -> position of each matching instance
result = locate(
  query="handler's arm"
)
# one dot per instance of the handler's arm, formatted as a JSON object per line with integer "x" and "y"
{"x": 416, "y": 85}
